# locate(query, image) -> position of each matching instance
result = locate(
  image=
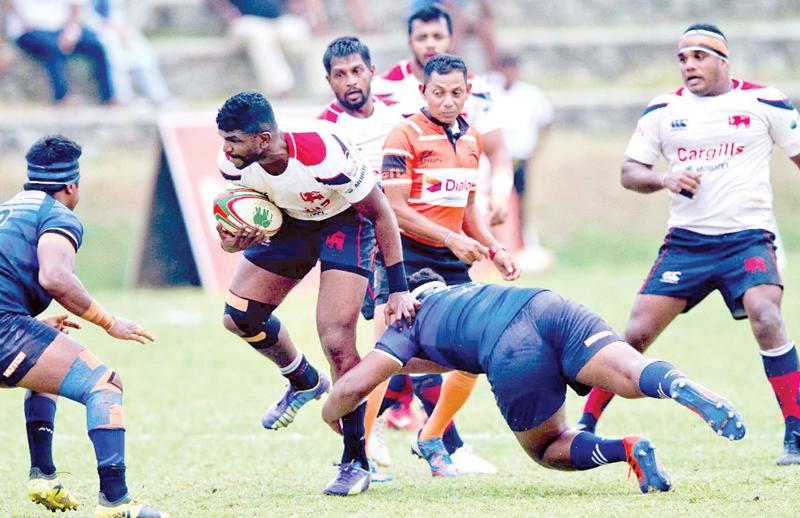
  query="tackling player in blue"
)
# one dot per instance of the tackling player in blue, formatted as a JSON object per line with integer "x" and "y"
{"x": 39, "y": 239}
{"x": 534, "y": 345}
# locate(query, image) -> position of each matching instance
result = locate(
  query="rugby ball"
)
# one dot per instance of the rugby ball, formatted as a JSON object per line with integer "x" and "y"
{"x": 238, "y": 207}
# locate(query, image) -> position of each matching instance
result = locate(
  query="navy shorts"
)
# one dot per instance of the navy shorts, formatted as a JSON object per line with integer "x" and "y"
{"x": 417, "y": 256}
{"x": 342, "y": 242}
{"x": 692, "y": 265}
{"x": 541, "y": 352}
{"x": 22, "y": 340}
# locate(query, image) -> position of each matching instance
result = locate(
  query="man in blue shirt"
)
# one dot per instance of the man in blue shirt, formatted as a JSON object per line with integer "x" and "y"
{"x": 531, "y": 343}
{"x": 39, "y": 239}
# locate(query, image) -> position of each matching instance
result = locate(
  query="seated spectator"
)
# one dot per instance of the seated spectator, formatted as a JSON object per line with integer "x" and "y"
{"x": 269, "y": 31}
{"x": 133, "y": 63}
{"x": 50, "y": 31}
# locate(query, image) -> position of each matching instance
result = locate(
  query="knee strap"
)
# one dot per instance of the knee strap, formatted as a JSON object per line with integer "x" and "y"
{"x": 92, "y": 384}
{"x": 258, "y": 326}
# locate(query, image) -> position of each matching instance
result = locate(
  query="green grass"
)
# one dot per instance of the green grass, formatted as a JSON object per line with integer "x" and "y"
{"x": 196, "y": 447}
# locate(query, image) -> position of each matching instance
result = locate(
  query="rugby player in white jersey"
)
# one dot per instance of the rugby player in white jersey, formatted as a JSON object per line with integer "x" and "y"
{"x": 717, "y": 134}
{"x": 332, "y": 211}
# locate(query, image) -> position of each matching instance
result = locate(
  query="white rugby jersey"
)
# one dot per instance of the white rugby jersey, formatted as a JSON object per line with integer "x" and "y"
{"x": 322, "y": 179}
{"x": 728, "y": 138}
{"x": 367, "y": 135}
{"x": 400, "y": 85}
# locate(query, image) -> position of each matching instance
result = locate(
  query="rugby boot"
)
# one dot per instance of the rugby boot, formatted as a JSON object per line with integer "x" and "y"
{"x": 282, "y": 413}
{"x": 718, "y": 412}
{"x": 376, "y": 447}
{"x": 48, "y": 491}
{"x": 640, "y": 456}
{"x": 377, "y": 476}
{"x": 352, "y": 479}
{"x": 435, "y": 453}
{"x": 124, "y": 508}
{"x": 791, "y": 447}
{"x": 465, "y": 461}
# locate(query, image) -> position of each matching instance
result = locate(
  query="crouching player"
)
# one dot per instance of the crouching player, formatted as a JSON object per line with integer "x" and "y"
{"x": 535, "y": 344}
{"x": 39, "y": 238}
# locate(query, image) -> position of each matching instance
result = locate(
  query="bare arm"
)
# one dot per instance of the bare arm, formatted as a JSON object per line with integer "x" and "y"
{"x": 351, "y": 389}
{"x": 640, "y": 177}
{"x": 475, "y": 228}
{"x": 56, "y": 275}
{"x": 400, "y": 305}
{"x": 502, "y": 174}
{"x": 224, "y": 9}
{"x": 71, "y": 33}
{"x": 465, "y": 248}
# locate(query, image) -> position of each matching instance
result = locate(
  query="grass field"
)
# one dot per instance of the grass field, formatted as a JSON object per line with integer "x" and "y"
{"x": 196, "y": 447}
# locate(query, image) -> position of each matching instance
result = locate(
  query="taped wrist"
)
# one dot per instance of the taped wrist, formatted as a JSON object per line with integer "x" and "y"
{"x": 99, "y": 316}
{"x": 253, "y": 321}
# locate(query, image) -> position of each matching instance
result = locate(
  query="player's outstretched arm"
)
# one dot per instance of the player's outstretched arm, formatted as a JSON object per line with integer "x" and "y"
{"x": 56, "y": 275}
{"x": 351, "y": 389}
{"x": 400, "y": 305}
{"x": 502, "y": 175}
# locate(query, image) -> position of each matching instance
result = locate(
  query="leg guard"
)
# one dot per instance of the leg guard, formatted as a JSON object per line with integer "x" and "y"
{"x": 253, "y": 321}
{"x": 91, "y": 383}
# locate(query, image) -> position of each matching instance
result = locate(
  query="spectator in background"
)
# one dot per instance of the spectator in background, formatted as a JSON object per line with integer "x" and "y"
{"x": 269, "y": 31}
{"x": 132, "y": 61}
{"x": 50, "y": 31}
{"x": 527, "y": 115}
{"x": 478, "y": 24}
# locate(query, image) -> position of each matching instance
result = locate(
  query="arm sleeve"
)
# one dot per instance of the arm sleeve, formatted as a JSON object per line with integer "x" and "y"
{"x": 343, "y": 170}
{"x": 398, "y": 344}
{"x": 645, "y": 144}
{"x": 783, "y": 121}
{"x": 60, "y": 220}
{"x": 398, "y": 158}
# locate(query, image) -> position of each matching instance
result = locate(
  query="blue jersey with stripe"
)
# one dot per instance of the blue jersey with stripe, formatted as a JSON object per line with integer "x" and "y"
{"x": 23, "y": 220}
{"x": 459, "y": 326}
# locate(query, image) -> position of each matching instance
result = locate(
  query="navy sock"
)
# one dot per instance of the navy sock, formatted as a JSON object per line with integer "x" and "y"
{"x": 396, "y": 392}
{"x": 428, "y": 389}
{"x": 353, "y": 431}
{"x": 109, "y": 448}
{"x": 304, "y": 376}
{"x": 656, "y": 378}
{"x": 589, "y": 451}
{"x": 40, "y": 412}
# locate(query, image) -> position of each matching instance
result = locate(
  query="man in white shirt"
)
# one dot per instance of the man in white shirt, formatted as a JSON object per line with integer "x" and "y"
{"x": 332, "y": 210}
{"x": 717, "y": 134}
{"x": 527, "y": 116}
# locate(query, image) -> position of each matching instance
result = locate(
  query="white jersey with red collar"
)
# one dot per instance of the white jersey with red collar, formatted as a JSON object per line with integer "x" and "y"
{"x": 367, "y": 135}
{"x": 729, "y": 139}
{"x": 399, "y": 84}
{"x": 322, "y": 179}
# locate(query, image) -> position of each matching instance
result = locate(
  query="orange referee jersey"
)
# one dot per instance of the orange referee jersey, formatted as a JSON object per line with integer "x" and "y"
{"x": 440, "y": 165}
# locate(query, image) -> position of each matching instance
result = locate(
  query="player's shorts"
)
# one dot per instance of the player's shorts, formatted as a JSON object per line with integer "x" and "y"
{"x": 418, "y": 256}
{"x": 692, "y": 265}
{"x": 341, "y": 242}
{"x": 22, "y": 340}
{"x": 541, "y": 352}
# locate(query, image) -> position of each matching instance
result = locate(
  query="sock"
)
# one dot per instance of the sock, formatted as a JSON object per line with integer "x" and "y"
{"x": 455, "y": 391}
{"x": 782, "y": 369}
{"x": 428, "y": 390}
{"x": 354, "y": 442}
{"x": 109, "y": 448}
{"x": 40, "y": 413}
{"x": 596, "y": 403}
{"x": 589, "y": 451}
{"x": 397, "y": 392}
{"x": 656, "y": 377}
{"x": 373, "y": 406}
{"x": 301, "y": 374}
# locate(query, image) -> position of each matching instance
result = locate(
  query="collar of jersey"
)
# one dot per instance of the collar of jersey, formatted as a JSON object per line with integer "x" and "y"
{"x": 422, "y": 291}
{"x": 463, "y": 125}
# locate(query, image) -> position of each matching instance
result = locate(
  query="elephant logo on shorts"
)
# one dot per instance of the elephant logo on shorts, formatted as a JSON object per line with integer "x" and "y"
{"x": 262, "y": 217}
{"x": 755, "y": 264}
{"x": 335, "y": 240}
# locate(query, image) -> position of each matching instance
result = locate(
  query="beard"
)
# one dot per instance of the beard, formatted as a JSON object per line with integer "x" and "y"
{"x": 356, "y": 105}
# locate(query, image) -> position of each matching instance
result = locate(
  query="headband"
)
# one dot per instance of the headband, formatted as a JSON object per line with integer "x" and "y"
{"x": 59, "y": 173}
{"x": 705, "y": 41}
